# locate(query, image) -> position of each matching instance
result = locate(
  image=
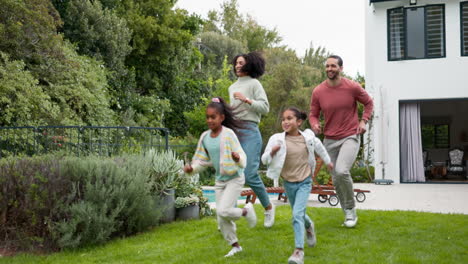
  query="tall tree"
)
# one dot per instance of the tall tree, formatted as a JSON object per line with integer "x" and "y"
{"x": 216, "y": 48}
{"x": 231, "y": 20}
{"x": 163, "y": 55}
{"x": 28, "y": 30}
{"x": 231, "y": 23}
{"x": 162, "y": 61}
{"x": 78, "y": 86}
{"x": 99, "y": 33}
{"x": 22, "y": 100}
{"x": 316, "y": 58}
{"x": 75, "y": 85}
{"x": 258, "y": 37}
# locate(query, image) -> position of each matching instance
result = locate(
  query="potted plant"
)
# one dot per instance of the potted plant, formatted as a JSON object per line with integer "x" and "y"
{"x": 165, "y": 173}
{"x": 190, "y": 186}
{"x": 187, "y": 207}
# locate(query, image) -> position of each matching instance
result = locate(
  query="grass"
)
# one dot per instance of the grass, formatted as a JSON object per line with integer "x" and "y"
{"x": 380, "y": 237}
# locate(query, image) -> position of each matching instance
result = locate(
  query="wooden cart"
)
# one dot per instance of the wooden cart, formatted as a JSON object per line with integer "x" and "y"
{"x": 325, "y": 192}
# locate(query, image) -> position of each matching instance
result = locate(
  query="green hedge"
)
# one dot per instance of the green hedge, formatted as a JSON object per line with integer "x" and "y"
{"x": 66, "y": 202}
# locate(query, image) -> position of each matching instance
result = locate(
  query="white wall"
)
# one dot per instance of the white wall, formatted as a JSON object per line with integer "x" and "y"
{"x": 408, "y": 79}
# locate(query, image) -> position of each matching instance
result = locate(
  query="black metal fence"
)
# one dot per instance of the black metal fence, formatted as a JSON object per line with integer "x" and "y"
{"x": 81, "y": 140}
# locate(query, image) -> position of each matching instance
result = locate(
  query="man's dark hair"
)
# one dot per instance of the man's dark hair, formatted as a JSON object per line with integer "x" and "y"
{"x": 254, "y": 64}
{"x": 340, "y": 60}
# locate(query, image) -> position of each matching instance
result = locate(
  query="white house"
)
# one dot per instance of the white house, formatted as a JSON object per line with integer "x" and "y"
{"x": 417, "y": 72}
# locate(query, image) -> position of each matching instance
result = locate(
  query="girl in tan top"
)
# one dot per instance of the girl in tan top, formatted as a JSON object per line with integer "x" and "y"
{"x": 291, "y": 155}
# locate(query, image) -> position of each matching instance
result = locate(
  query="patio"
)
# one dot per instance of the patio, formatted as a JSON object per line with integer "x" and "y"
{"x": 436, "y": 198}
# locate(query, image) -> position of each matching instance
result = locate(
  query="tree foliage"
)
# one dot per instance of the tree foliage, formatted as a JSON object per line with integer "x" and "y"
{"x": 78, "y": 87}
{"x": 163, "y": 56}
{"x": 258, "y": 37}
{"x": 215, "y": 48}
{"x": 197, "y": 117}
{"x": 73, "y": 88}
{"x": 288, "y": 82}
{"x": 98, "y": 33}
{"x": 28, "y": 30}
{"x": 22, "y": 100}
{"x": 232, "y": 24}
{"x": 137, "y": 63}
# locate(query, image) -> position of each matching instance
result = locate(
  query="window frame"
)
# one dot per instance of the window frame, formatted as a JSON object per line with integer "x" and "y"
{"x": 461, "y": 28}
{"x": 405, "y": 18}
{"x": 434, "y": 138}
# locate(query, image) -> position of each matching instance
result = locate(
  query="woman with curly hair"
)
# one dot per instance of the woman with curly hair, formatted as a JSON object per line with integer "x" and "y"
{"x": 249, "y": 98}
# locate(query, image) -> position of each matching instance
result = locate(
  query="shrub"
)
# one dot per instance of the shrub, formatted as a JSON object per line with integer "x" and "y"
{"x": 58, "y": 202}
{"x": 267, "y": 181}
{"x": 32, "y": 190}
{"x": 360, "y": 174}
{"x": 323, "y": 176}
{"x": 109, "y": 198}
{"x": 207, "y": 177}
{"x": 182, "y": 145}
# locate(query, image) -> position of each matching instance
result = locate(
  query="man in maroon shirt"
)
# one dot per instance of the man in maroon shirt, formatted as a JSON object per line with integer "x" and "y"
{"x": 337, "y": 99}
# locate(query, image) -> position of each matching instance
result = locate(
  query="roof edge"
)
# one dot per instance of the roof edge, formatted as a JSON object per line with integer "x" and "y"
{"x": 375, "y": 1}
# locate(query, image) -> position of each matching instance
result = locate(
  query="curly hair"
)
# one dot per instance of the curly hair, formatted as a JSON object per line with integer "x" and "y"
{"x": 230, "y": 120}
{"x": 254, "y": 64}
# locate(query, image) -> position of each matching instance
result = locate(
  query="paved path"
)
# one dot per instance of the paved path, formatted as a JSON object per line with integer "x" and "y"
{"x": 437, "y": 198}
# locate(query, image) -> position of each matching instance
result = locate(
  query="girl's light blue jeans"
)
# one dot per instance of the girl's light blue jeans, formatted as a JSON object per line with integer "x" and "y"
{"x": 298, "y": 194}
{"x": 251, "y": 142}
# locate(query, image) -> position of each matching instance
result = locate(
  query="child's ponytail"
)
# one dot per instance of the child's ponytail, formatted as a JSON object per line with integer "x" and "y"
{"x": 300, "y": 115}
{"x": 229, "y": 113}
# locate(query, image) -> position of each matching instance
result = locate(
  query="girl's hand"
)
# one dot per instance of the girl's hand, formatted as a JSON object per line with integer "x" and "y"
{"x": 188, "y": 168}
{"x": 274, "y": 150}
{"x": 330, "y": 166}
{"x": 235, "y": 156}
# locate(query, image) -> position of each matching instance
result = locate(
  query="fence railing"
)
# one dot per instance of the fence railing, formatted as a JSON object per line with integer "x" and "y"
{"x": 81, "y": 140}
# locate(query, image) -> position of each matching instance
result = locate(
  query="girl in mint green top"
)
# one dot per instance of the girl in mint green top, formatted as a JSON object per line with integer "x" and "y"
{"x": 219, "y": 147}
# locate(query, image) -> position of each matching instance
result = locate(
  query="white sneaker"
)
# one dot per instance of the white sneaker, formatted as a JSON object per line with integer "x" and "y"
{"x": 350, "y": 218}
{"x": 297, "y": 257}
{"x": 233, "y": 251}
{"x": 269, "y": 217}
{"x": 251, "y": 217}
{"x": 310, "y": 235}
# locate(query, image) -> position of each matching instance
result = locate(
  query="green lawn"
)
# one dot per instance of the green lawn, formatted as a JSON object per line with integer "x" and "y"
{"x": 380, "y": 237}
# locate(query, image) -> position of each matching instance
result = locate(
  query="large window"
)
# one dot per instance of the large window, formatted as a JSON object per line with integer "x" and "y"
{"x": 416, "y": 32}
{"x": 464, "y": 27}
{"x": 435, "y": 136}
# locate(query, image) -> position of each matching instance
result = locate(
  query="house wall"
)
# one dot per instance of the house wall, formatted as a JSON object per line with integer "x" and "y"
{"x": 392, "y": 81}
